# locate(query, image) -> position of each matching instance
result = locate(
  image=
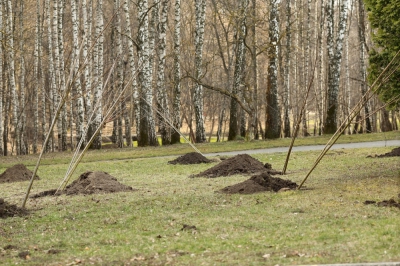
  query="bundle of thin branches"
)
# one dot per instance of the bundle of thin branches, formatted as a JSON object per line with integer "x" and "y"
{"x": 393, "y": 65}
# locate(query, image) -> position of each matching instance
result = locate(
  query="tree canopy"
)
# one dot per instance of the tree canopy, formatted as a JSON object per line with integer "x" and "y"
{"x": 384, "y": 16}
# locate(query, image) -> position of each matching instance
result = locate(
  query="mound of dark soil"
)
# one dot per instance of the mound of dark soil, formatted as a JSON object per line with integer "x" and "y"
{"x": 17, "y": 173}
{"x": 395, "y": 152}
{"x": 190, "y": 158}
{"x": 10, "y": 210}
{"x": 89, "y": 183}
{"x": 385, "y": 203}
{"x": 239, "y": 164}
{"x": 259, "y": 183}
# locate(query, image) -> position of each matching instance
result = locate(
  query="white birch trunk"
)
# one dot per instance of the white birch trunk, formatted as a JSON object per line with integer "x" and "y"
{"x": 307, "y": 59}
{"x": 60, "y": 36}
{"x": 147, "y": 126}
{"x": 57, "y": 72}
{"x": 162, "y": 97}
{"x": 363, "y": 70}
{"x": 198, "y": 89}
{"x": 335, "y": 59}
{"x": 36, "y": 78}
{"x": 86, "y": 37}
{"x": 119, "y": 69}
{"x": 319, "y": 88}
{"x": 98, "y": 92}
{"x": 134, "y": 90}
{"x": 273, "y": 117}
{"x": 11, "y": 74}
{"x": 132, "y": 67}
{"x": 175, "y": 138}
{"x": 76, "y": 76}
{"x": 286, "y": 103}
{"x": 238, "y": 72}
{"x": 52, "y": 74}
{"x": 153, "y": 22}
{"x": 1, "y": 83}
{"x": 22, "y": 148}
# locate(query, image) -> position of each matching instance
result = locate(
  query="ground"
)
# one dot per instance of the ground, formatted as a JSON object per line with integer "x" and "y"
{"x": 186, "y": 228}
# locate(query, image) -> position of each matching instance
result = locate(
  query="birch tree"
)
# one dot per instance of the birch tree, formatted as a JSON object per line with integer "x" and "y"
{"x": 175, "y": 137}
{"x": 22, "y": 148}
{"x": 1, "y": 81}
{"x": 11, "y": 73}
{"x": 132, "y": 68}
{"x": 162, "y": 97}
{"x": 254, "y": 73}
{"x": 98, "y": 69}
{"x": 198, "y": 90}
{"x": 273, "y": 117}
{"x": 76, "y": 76}
{"x": 286, "y": 118}
{"x": 125, "y": 111}
{"x": 61, "y": 69}
{"x": 36, "y": 79}
{"x": 119, "y": 80}
{"x": 57, "y": 70}
{"x": 363, "y": 70}
{"x": 319, "y": 88}
{"x": 52, "y": 73}
{"x": 239, "y": 64}
{"x": 86, "y": 38}
{"x": 335, "y": 48}
{"x": 147, "y": 125}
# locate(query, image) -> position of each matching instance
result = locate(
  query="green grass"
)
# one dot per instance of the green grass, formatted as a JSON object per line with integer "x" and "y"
{"x": 326, "y": 223}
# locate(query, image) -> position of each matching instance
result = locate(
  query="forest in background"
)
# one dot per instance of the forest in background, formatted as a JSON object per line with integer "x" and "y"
{"x": 230, "y": 69}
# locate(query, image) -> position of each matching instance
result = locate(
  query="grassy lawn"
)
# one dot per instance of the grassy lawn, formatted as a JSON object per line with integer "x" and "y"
{"x": 325, "y": 223}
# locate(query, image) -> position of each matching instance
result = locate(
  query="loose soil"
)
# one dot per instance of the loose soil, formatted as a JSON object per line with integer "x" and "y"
{"x": 17, "y": 173}
{"x": 89, "y": 183}
{"x": 190, "y": 158}
{"x": 239, "y": 164}
{"x": 393, "y": 153}
{"x": 260, "y": 183}
{"x": 11, "y": 210}
{"x": 385, "y": 203}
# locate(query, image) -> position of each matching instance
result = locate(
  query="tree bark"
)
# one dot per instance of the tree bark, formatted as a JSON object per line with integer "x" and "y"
{"x": 239, "y": 64}
{"x": 11, "y": 74}
{"x": 334, "y": 65}
{"x": 162, "y": 97}
{"x": 198, "y": 90}
{"x": 363, "y": 70}
{"x": 98, "y": 67}
{"x": 175, "y": 137}
{"x": 23, "y": 145}
{"x": 1, "y": 84}
{"x": 286, "y": 104}
{"x": 76, "y": 75}
{"x": 147, "y": 126}
{"x": 133, "y": 71}
{"x": 273, "y": 117}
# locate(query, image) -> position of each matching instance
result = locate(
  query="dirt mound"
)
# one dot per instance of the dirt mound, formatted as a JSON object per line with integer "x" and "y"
{"x": 395, "y": 152}
{"x": 385, "y": 203}
{"x": 10, "y": 210}
{"x": 17, "y": 173}
{"x": 190, "y": 158}
{"x": 259, "y": 183}
{"x": 239, "y": 164}
{"x": 89, "y": 183}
